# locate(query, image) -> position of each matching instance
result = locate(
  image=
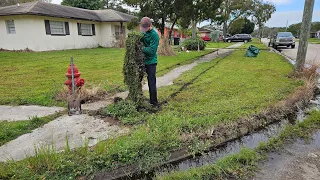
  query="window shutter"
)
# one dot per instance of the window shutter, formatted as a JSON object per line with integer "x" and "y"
{"x": 79, "y": 28}
{"x": 93, "y": 29}
{"x": 66, "y": 25}
{"x": 47, "y": 25}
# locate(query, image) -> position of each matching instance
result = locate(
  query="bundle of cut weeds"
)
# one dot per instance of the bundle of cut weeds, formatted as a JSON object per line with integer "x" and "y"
{"x": 133, "y": 67}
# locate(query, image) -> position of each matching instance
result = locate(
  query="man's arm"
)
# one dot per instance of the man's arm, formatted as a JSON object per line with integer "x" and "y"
{"x": 153, "y": 47}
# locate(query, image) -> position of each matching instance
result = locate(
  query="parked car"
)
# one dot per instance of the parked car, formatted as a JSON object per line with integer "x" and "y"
{"x": 282, "y": 39}
{"x": 206, "y": 38}
{"x": 239, "y": 38}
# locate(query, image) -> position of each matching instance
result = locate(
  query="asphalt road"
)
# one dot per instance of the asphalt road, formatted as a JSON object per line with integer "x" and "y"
{"x": 313, "y": 53}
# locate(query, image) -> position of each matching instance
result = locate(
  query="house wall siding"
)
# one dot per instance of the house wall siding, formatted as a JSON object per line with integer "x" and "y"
{"x": 31, "y": 34}
{"x": 108, "y": 33}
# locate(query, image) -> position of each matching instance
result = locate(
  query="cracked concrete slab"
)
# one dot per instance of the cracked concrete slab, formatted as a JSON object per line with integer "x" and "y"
{"x": 78, "y": 129}
{"x": 22, "y": 113}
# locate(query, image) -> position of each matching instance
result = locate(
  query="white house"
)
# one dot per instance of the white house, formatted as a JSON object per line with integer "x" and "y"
{"x": 41, "y": 26}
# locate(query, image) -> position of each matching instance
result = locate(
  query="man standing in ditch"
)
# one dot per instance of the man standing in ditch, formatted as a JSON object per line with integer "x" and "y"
{"x": 150, "y": 41}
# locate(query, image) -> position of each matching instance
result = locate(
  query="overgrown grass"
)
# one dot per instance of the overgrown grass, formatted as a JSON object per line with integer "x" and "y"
{"x": 255, "y": 42}
{"x": 14, "y": 129}
{"x": 244, "y": 163}
{"x": 36, "y": 77}
{"x": 218, "y": 45}
{"x": 314, "y": 40}
{"x": 218, "y": 91}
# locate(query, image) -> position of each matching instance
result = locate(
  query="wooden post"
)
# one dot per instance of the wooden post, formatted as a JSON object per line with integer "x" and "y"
{"x": 305, "y": 33}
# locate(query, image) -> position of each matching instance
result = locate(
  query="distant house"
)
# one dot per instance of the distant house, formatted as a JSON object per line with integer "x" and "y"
{"x": 204, "y": 32}
{"x": 315, "y": 34}
{"x": 41, "y": 26}
{"x": 175, "y": 32}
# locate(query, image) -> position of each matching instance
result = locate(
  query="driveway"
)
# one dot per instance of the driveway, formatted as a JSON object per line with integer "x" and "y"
{"x": 313, "y": 53}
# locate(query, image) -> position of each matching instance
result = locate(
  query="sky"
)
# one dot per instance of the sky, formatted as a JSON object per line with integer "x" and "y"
{"x": 287, "y": 10}
{"x": 291, "y": 11}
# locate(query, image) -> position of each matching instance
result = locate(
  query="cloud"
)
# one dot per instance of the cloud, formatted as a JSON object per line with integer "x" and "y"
{"x": 278, "y": 2}
{"x": 279, "y": 19}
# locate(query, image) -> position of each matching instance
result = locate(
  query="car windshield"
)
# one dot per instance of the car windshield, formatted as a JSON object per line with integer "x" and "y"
{"x": 284, "y": 34}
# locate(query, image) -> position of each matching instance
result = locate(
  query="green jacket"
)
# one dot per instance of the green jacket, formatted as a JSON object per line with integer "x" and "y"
{"x": 150, "y": 41}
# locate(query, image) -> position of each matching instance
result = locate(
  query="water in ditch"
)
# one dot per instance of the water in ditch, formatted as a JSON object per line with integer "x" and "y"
{"x": 250, "y": 141}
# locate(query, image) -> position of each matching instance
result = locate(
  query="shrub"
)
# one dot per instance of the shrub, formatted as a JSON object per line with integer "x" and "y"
{"x": 123, "y": 108}
{"x": 192, "y": 44}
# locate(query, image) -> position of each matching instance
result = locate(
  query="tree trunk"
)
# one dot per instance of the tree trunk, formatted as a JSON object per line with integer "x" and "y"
{"x": 162, "y": 26}
{"x": 305, "y": 33}
{"x": 171, "y": 29}
{"x": 225, "y": 28}
{"x": 194, "y": 29}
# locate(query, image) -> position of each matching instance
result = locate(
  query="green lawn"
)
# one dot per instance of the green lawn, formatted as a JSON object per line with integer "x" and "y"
{"x": 314, "y": 40}
{"x": 255, "y": 42}
{"x": 35, "y": 77}
{"x": 218, "y": 45}
{"x": 218, "y": 91}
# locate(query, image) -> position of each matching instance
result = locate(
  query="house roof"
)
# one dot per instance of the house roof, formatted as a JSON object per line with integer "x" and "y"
{"x": 203, "y": 30}
{"x": 55, "y": 10}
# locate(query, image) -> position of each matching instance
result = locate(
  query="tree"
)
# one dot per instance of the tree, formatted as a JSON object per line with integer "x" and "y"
{"x": 262, "y": 13}
{"x": 133, "y": 24}
{"x": 115, "y": 5}
{"x": 85, "y": 4}
{"x": 242, "y": 25}
{"x": 159, "y": 11}
{"x": 295, "y": 28}
{"x": 12, "y": 2}
{"x": 231, "y": 10}
{"x": 199, "y": 10}
{"x": 248, "y": 26}
{"x": 162, "y": 11}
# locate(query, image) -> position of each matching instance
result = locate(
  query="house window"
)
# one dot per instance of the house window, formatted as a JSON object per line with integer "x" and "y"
{"x": 57, "y": 28}
{"x": 118, "y": 31}
{"x": 86, "y": 29}
{"x": 10, "y": 27}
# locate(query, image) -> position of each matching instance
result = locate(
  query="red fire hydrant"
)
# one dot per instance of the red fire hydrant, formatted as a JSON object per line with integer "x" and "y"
{"x": 78, "y": 82}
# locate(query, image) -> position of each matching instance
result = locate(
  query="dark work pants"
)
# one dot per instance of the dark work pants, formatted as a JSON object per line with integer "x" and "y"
{"x": 152, "y": 83}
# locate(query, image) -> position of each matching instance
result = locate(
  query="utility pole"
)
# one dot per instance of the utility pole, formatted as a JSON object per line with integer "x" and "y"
{"x": 304, "y": 35}
{"x": 287, "y": 25}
